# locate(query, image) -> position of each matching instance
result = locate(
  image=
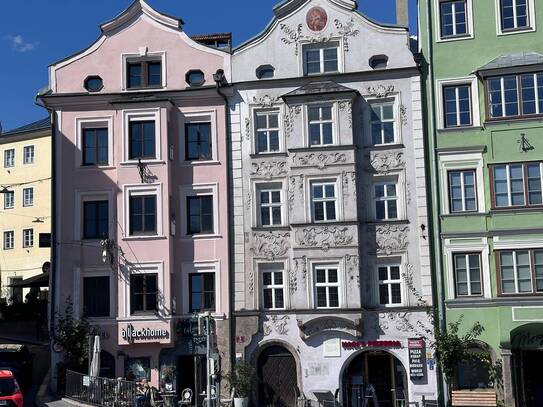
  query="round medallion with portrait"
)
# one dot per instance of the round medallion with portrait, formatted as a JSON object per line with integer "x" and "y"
{"x": 316, "y": 19}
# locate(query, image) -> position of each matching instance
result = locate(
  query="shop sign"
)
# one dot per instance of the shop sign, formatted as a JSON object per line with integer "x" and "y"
{"x": 417, "y": 358}
{"x": 350, "y": 345}
{"x": 131, "y": 334}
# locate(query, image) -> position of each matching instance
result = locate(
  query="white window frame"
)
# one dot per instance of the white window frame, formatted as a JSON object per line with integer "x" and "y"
{"x": 257, "y": 300}
{"x": 9, "y": 158}
{"x": 468, "y": 273}
{"x": 200, "y": 116}
{"x": 305, "y": 45}
{"x": 332, "y": 265}
{"x": 457, "y": 161}
{"x": 94, "y": 122}
{"x": 6, "y": 201}
{"x": 334, "y": 120}
{"x": 144, "y": 268}
{"x": 269, "y": 187}
{"x": 135, "y": 115}
{"x": 398, "y": 198}
{"x": 463, "y": 189}
{"x": 89, "y": 196}
{"x": 394, "y": 121}
{"x": 197, "y": 267}
{"x": 469, "y": 16}
{"x": 279, "y": 129}
{"x": 388, "y": 263}
{"x": 208, "y": 189}
{"x": 532, "y": 21}
{"x": 337, "y": 192}
{"x": 473, "y": 83}
{"x": 273, "y": 268}
{"x": 28, "y": 200}
{"x": 29, "y": 153}
{"x": 457, "y": 103}
{"x": 143, "y": 55}
{"x": 5, "y": 240}
{"x": 146, "y": 189}
{"x": 28, "y": 238}
{"x": 516, "y": 273}
{"x": 509, "y": 190}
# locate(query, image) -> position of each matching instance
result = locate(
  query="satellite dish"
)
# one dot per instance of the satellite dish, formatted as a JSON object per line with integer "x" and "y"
{"x": 46, "y": 267}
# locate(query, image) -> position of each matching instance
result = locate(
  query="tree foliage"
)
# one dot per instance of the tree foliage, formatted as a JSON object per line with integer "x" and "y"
{"x": 241, "y": 379}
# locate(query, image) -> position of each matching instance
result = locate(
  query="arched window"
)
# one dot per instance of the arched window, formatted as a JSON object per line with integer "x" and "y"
{"x": 265, "y": 72}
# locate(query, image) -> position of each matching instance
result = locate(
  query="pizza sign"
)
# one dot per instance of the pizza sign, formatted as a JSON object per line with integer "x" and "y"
{"x": 316, "y": 19}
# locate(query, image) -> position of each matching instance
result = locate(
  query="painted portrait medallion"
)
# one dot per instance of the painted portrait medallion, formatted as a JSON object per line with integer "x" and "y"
{"x": 316, "y": 19}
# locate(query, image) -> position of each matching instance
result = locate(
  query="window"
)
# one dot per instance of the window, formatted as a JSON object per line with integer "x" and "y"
{"x": 270, "y": 204}
{"x": 28, "y": 237}
{"x": 321, "y": 125}
{"x": 9, "y": 158}
{"x": 265, "y": 72}
{"x": 28, "y": 196}
{"x": 324, "y": 201}
{"x": 532, "y": 93}
{"x": 521, "y": 271}
{"x": 515, "y": 95}
{"x": 267, "y": 132}
{"x": 28, "y": 155}
{"x": 202, "y": 292}
{"x": 472, "y": 374}
{"x": 383, "y": 124}
{"x": 462, "y": 192}
{"x": 142, "y": 140}
{"x": 137, "y": 369}
{"x": 9, "y": 200}
{"x": 453, "y": 18}
{"x": 143, "y": 215}
{"x": 93, "y": 84}
{"x": 198, "y": 141}
{"x": 95, "y": 146}
{"x": 195, "y": 77}
{"x": 467, "y": 274}
{"x": 143, "y": 293}
{"x": 457, "y": 102}
{"x": 378, "y": 62}
{"x": 386, "y": 200}
{"x": 9, "y": 240}
{"x": 320, "y": 58}
{"x": 144, "y": 74}
{"x": 517, "y": 184}
{"x": 95, "y": 220}
{"x": 96, "y": 296}
{"x": 514, "y": 15}
{"x": 200, "y": 215}
{"x": 326, "y": 287}
{"x": 390, "y": 285}
{"x": 273, "y": 289}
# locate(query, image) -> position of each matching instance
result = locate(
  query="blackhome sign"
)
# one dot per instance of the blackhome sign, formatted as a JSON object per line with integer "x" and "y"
{"x": 417, "y": 359}
{"x": 131, "y": 334}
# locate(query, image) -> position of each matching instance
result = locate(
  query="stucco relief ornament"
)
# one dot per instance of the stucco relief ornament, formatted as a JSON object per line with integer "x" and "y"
{"x": 270, "y": 245}
{"x": 265, "y": 101}
{"x": 300, "y": 268}
{"x": 248, "y": 200}
{"x": 391, "y": 238}
{"x": 349, "y": 184}
{"x": 381, "y": 91}
{"x": 353, "y": 271}
{"x": 276, "y": 323}
{"x": 293, "y": 111}
{"x": 269, "y": 169}
{"x": 385, "y": 162}
{"x": 395, "y": 320}
{"x": 247, "y": 128}
{"x": 347, "y": 106}
{"x": 324, "y": 237}
{"x": 346, "y": 30}
{"x": 403, "y": 114}
{"x": 292, "y": 280}
{"x": 319, "y": 160}
{"x": 296, "y": 183}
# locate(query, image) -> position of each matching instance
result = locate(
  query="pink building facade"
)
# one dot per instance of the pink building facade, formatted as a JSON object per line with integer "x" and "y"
{"x": 141, "y": 195}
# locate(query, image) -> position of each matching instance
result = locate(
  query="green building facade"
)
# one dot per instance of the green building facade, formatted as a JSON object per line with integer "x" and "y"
{"x": 483, "y": 69}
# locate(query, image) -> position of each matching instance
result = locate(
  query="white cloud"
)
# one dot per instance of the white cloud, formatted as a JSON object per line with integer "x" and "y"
{"x": 18, "y": 43}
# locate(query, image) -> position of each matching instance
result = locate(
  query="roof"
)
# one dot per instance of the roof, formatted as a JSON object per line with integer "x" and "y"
{"x": 212, "y": 37}
{"x": 34, "y": 126}
{"x": 41, "y": 280}
{"x": 513, "y": 60}
{"x": 315, "y": 88}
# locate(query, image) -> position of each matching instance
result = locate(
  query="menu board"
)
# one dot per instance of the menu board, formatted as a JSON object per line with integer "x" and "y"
{"x": 417, "y": 359}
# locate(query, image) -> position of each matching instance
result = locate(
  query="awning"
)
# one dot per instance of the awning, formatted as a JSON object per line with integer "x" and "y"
{"x": 41, "y": 280}
{"x": 511, "y": 63}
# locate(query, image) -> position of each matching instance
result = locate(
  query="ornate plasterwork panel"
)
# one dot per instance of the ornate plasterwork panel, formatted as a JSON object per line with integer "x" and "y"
{"x": 329, "y": 324}
{"x": 247, "y": 128}
{"x": 380, "y": 91}
{"x": 277, "y": 324}
{"x": 295, "y": 187}
{"x": 390, "y": 238}
{"x": 270, "y": 245}
{"x": 292, "y": 112}
{"x": 325, "y": 237}
{"x": 353, "y": 269}
{"x": 349, "y": 184}
{"x": 269, "y": 169}
{"x": 384, "y": 162}
{"x": 265, "y": 101}
{"x": 347, "y": 106}
{"x": 319, "y": 160}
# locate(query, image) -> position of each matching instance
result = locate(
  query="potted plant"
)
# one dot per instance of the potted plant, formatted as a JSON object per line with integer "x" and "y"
{"x": 240, "y": 381}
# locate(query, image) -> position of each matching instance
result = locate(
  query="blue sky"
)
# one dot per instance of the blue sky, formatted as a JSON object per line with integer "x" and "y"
{"x": 36, "y": 33}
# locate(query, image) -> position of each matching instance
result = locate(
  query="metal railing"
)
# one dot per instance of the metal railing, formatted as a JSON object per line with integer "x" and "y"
{"x": 100, "y": 391}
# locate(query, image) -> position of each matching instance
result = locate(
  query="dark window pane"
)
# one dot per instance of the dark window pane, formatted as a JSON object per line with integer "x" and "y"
{"x": 383, "y": 294}
{"x": 154, "y": 74}
{"x": 134, "y": 75}
{"x": 96, "y": 296}
{"x": 198, "y": 141}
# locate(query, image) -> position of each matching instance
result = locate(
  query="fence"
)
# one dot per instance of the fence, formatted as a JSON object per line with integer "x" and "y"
{"x": 100, "y": 391}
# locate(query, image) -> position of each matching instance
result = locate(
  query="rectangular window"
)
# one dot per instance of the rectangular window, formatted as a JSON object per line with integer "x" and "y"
{"x": 95, "y": 220}
{"x": 95, "y": 146}
{"x": 270, "y": 207}
{"x": 143, "y": 215}
{"x": 9, "y": 158}
{"x": 28, "y": 155}
{"x": 457, "y": 106}
{"x": 324, "y": 201}
{"x": 28, "y": 237}
{"x": 142, "y": 140}
{"x": 273, "y": 287}
{"x": 326, "y": 287}
{"x": 202, "y": 292}
{"x": 517, "y": 185}
{"x": 462, "y": 191}
{"x": 267, "y": 132}
{"x": 200, "y": 215}
{"x": 320, "y": 59}
{"x": 321, "y": 126}
{"x": 521, "y": 271}
{"x": 514, "y": 15}
{"x": 198, "y": 141}
{"x": 453, "y": 18}
{"x": 144, "y": 74}
{"x": 386, "y": 200}
{"x": 390, "y": 285}
{"x": 28, "y": 196}
{"x": 96, "y": 296}
{"x": 383, "y": 124}
{"x": 467, "y": 274}
{"x": 9, "y": 240}
{"x": 143, "y": 293}
{"x": 515, "y": 95}
{"x": 9, "y": 200}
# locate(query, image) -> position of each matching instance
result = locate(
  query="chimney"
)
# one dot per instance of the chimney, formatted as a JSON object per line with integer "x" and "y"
{"x": 402, "y": 13}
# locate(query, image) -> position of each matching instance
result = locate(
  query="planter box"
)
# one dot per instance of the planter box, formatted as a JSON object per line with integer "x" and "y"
{"x": 474, "y": 398}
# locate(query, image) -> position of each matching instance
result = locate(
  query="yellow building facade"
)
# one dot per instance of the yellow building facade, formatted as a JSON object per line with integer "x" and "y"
{"x": 25, "y": 205}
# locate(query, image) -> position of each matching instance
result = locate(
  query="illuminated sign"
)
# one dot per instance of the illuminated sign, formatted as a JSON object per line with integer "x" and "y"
{"x": 131, "y": 334}
{"x": 350, "y": 345}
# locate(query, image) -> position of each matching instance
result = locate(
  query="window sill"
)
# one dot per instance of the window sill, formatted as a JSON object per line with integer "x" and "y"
{"x": 514, "y": 31}
{"x": 201, "y": 237}
{"x": 95, "y": 167}
{"x": 197, "y": 163}
{"x": 270, "y": 228}
{"x": 459, "y": 129}
{"x": 146, "y": 89}
{"x": 332, "y": 222}
{"x": 265, "y": 155}
{"x": 455, "y": 38}
{"x": 463, "y": 214}
{"x": 141, "y": 317}
{"x": 391, "y": 146}
{"x": 135, "y": 163}
{"x": 389, "y": 222}
{"x": 330, "y": 147}
{"x": 136, "y": 238}
{"x": 512, "y": 120}
{"x": 513, "y": 210}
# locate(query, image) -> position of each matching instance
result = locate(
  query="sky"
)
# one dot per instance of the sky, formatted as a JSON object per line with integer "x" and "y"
{"x": 36, "y": 33}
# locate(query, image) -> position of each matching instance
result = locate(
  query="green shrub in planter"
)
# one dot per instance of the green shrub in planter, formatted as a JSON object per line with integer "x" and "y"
{"x": 242, "y": 379}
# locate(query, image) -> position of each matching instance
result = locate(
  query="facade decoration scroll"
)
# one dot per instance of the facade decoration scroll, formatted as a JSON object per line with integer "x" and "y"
{"x": 380, "y": 91}
{"x": 349, "y": 184}
{"x": 300, "y": 268}
{"x": 276, "y": 323}
{"x": 265, "y": 101}
{"x": 353, "y": 269}
{"x": 391, "y": 239}
{"x": 319, "y": 160}
{"x": 325, "y": 237}
{"x": 386, "y": 162}
{"x": 269, "y": 169}
{"x": 289, "y": 118}
{"x": 296, "y": 185}
{"x": 321, "y": 325}
{"x": 270, "y": 245}
{"x": 247, "y": 129}
{"x": 347, "y": 107}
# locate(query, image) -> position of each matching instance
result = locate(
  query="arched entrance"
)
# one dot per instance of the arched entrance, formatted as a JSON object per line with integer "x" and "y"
{"x": 379, "y": 370}
{"x": 277, "y": 378}
{"x": 527, "y": 348}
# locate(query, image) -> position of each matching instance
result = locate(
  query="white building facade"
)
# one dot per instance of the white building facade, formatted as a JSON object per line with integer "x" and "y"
{"x": 332, "y": 271}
